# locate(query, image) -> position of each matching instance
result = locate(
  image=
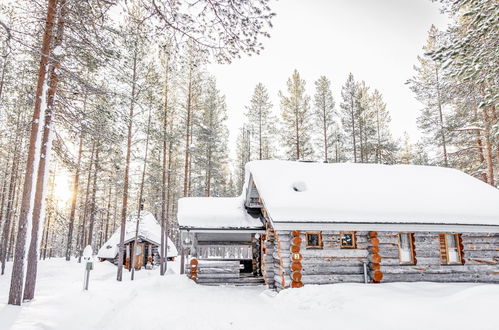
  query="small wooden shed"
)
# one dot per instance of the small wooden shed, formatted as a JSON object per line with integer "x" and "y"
{"x": 148, "y": 243}
{"x": 331, "y": 223}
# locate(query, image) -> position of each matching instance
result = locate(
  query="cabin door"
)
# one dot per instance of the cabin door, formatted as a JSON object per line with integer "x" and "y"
{"x": 139, "y": 256}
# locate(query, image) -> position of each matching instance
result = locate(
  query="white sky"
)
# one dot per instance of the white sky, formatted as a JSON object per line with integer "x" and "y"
{"x": 377, "y": 40}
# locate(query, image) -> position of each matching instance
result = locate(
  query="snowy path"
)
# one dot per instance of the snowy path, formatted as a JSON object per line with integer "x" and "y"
{"x": 153, "y": 302}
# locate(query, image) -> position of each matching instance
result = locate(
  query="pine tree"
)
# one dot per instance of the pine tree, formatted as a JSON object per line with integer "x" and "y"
{"x": 296, "y": 119}
{"x": 385, "y": 147}
{"x": 212, "y": 137}
{"x": 326, "y": 120}
{"x": 428, "y": 87}
{"x": 349, "y": 96}
{"x": 261, "y": 123}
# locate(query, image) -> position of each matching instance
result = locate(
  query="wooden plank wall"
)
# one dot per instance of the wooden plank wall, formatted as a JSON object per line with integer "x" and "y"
{"x": 480, "y": 255}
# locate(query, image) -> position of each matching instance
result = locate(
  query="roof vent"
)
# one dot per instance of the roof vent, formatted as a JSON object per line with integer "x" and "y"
{"x": 299, "y": 186}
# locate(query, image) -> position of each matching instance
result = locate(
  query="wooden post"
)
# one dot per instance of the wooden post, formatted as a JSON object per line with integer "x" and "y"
{"x": 194, "y": 269}
{"x": 296, "y": 265}
{"x": 182, "y": 259}
{"x": 375, "y": 258}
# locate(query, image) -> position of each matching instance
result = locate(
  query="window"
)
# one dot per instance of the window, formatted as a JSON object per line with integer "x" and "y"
{"x": 450, "y": 249}
{"x": 347, "y": 240}
{"x": 406, "y": 249}
{"x": 314, "y": 240}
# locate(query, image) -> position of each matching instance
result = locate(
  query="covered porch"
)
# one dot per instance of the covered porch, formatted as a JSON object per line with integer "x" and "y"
{"x": 220, "y": 241}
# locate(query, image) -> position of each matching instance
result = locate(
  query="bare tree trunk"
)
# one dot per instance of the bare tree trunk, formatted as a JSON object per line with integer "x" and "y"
{"x": 83, "y": 223}
{"x": 352, "y": 114}
{"x": 187, "y": 137}
{"x": 108, "y": 213}
{"x": 164, "y": 174}
{"x": 43, "y": 164}
{"x": 442, "y": 124}
{"x": 74, "y": 198}
{"x": 17, "y": 279}
{"x": 141, "y": 193}
{"x": 93, "y": 209}
{"x": 489, "y": 156}
{"x": 297, "y": 132}
{"x": 124, "y": 207}
{"x": 168, "y": 193}
{"x": 9, "y": 207}
{"x": 47, "y": 229}
{"x": 324, "y": 129}
{"x": 260, "y": 133}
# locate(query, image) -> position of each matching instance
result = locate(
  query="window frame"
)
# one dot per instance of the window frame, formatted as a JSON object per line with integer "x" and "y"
{"x": 458, "y": 249}
{"x": 411, "y": 247}
{"x": 319, "y": 234}
{"x": 354, "y": 240}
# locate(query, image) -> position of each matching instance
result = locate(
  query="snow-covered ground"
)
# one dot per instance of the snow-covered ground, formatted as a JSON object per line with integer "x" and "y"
{"x": 174, "y": 302}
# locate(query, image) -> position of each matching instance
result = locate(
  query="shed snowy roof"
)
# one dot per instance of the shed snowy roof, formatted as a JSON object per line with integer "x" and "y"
{"x": 149, "y": 229}
{"x": 215, "y": 213}
{"x": 372, "y": 193}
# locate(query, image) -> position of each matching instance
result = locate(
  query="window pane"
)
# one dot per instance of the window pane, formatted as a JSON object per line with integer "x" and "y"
{"x": 453, "y": 256}
{"x": 312, "y": 239}
{"x": 451, "y": 241}
{"x": 347, "y": 239}
{"x": 405, "y": 248}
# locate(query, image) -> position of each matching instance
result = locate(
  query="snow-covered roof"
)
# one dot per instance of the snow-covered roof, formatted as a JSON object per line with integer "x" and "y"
{"x": 149, "y": 229}
{"x": 215, "y": 213}
{"x": 372, "y": 193}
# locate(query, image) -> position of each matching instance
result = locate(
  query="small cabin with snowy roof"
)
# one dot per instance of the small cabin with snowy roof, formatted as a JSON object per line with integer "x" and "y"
{"x": 147, "y": 251}
{"x": 315, "y": 223}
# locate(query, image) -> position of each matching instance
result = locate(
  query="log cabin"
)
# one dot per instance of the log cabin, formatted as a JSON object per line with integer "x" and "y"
{"x": 317, "y": 223}
{"x": 147, "y": 252}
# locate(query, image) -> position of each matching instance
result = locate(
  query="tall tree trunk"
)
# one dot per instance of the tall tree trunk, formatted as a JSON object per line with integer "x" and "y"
{"x": 260, "y": 151}
{"x": 352, "y": 114}
{"x": 10, "y": 206}
{"x": 124, "y": 206}
{"x": 43, "y": 164}
{"x": 441, "y": 119}
{"x": 297, "y": 133}
{"x": 108, "y": 213}
{"x": 93, "y": 209}
{"x": 47, "y": 230}
{"x": 17, "y": 279}
{"x": 489, "y": 156}
{"x": 74, "y": 198}
{"x": 324, "y": 129}
{"x": 164, "y": 171}
{"x": 83, "y": 221}
{"x": 141, "y": 193}
{"x": 187, "y": 135}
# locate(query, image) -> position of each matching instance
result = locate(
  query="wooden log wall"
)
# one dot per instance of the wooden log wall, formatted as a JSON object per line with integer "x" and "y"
{"x": 480, "y": 255}
{"x": 374, "y": 257}
{"x": 282, "y": 260}
{"x": 296, "y": 265}
{"x": 256, "y": 250}
{"x": 332, "y": 264}
{"x": 267, "y": 249}
{"x": 214, "y": 271}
